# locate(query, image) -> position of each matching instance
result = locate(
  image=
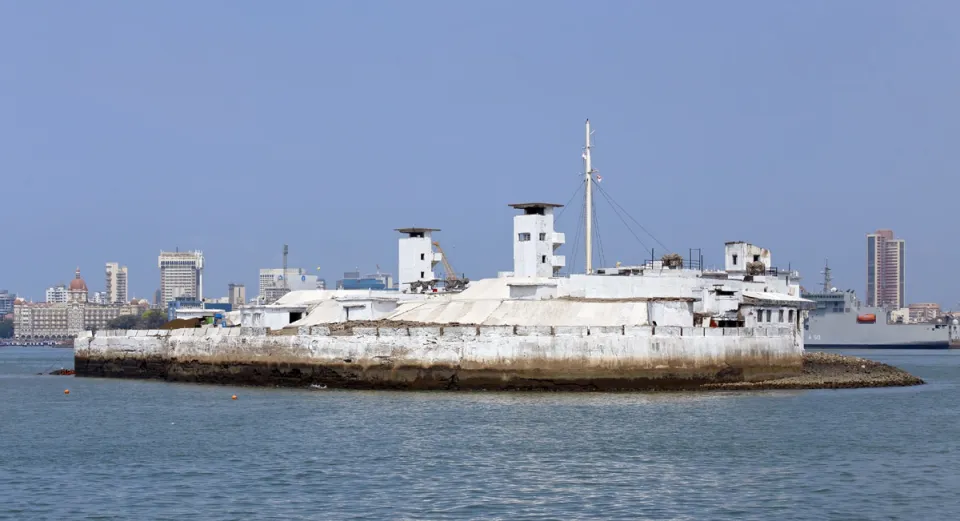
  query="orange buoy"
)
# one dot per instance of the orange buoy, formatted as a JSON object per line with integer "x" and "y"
{"x": 234, "y": 397}
{"x": 66, "y": 391}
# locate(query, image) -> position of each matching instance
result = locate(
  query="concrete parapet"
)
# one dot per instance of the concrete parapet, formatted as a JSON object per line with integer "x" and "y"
{"x": 495, "y": 331}
{"x": 575, "y": 331}
{"x": 364, "y": 331}
{"x": 459, "y": 331}
{"x": 424, "y": 331}
{"x": 393, "y": 331}
{"x": 692, "y": 331}
{"x": 668, "y": 331}
{"x": 253, "y": 331}
{"x": 747, "y": 332}
{"x": 731, "y": 331}
{"x": 320, "y": 330}
{"x": 605, "y": 331}
{"x": 534, "y": 331}
{"x": 712, "y": 332}
{"x": 638, "y": 331}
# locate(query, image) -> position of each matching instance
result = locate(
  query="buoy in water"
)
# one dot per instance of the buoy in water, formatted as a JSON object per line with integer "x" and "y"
{"x": 66, "y": 391}
{"x": 234, "y": 397}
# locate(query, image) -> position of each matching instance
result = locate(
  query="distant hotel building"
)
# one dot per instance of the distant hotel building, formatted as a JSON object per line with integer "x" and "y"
{"x": 274, "y": 283}
{"x": 181, "y": 275}
{"x": 116, "y": 292}
{"x": 884, "y": 269}
{"x": 61, "y": 320}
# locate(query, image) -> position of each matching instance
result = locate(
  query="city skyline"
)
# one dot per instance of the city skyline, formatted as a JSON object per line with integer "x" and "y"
{"x": 786, "y": 109}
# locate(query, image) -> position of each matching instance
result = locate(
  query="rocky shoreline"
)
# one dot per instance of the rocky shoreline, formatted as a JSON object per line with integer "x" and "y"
{"x": 831, "y": 371}
{"x": 819, "y": 371}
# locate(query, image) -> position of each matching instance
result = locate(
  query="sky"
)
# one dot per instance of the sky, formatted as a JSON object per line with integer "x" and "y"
{"x": 235, "y": 127}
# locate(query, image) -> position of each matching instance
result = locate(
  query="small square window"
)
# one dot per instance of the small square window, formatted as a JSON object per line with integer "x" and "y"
{"x": 422, "y": 274}
{"x": 780, "y": 316}
{"x": 543, "y": 236}
{"x": 543, "y": 259}
{"x": 756, "y": 258}
{"x": 423, "y": 256}
{"x": 769, "y": 316}
{"x": 734, "y": 259}
{"x": 790, "y": 315}
{"x": 524, "y": 237}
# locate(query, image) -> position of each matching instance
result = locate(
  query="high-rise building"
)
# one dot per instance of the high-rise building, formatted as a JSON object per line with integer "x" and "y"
{"x": 57, "y": 294}
{"x": 116, "y": 292}
{"x": 6, "y": 302}
{"x": 236, "y": 295}
{"x": 884, "y": 269}
{"x": 181, "y": 275}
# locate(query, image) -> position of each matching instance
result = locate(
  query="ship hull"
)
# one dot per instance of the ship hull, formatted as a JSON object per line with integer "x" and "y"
{"x": 843, "y": 331}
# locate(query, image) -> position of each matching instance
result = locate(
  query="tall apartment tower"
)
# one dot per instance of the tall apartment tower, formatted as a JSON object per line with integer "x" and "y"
{"x": 116, "y": 283}
{"x": 884, "y": 269}
{"x": 236, "y": 295}
{"x": 181, "y": 275}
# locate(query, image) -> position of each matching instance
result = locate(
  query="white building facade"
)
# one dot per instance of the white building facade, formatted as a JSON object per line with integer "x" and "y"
{"x": 116, "y": 287}
{"x": 181, "y": 275}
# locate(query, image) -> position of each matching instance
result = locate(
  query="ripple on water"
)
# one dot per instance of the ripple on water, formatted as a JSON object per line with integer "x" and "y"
{"x": 150, "y": 450}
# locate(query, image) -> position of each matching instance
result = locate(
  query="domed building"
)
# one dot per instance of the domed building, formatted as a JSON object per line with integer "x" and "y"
{"x": 63, "y": 320}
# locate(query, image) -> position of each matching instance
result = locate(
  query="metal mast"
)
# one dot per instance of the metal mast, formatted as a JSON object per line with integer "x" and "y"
{"x": 827, "y": 279}
{"x": 588, "y": 174}
{"x": 285, "y": 252}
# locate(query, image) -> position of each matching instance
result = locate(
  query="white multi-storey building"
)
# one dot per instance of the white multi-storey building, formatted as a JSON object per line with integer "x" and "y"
{"x": 116, "y": 292}
{"x": 57, "y": 294}
{"x": 181, "y": 275}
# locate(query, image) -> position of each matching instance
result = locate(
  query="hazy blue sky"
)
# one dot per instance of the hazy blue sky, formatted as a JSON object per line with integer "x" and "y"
{"x": 236, "y": 127}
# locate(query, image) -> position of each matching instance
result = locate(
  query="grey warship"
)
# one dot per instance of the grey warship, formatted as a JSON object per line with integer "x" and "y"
{"x": 840, "y": 321}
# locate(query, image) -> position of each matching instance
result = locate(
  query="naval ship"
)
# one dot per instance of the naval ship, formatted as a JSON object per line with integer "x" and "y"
{"x": 840, "y": 321}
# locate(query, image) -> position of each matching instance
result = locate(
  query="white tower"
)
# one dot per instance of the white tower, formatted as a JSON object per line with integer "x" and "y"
{"x": 417, "y": 257}
{"x": 535, "y": 242}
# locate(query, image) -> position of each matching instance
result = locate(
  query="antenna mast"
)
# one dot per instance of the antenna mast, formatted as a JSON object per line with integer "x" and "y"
{"x": 588, "y": 175}
{"x": 285, "y": 252}
{"x": 827, "y": 279}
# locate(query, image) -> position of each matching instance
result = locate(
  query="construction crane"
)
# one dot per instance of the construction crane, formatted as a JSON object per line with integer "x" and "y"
{"x": 451, "y": 281}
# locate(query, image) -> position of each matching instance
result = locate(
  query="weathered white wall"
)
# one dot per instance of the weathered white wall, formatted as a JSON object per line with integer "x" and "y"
{"x": 505, "y": 347}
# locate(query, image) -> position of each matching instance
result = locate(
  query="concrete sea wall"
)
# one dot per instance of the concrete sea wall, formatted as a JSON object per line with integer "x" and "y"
{"x": 463, "y": 357}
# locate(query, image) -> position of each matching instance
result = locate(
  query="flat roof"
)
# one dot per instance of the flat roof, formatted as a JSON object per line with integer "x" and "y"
{"x": 417, "y": 230}
{"x": 521, "y": 206}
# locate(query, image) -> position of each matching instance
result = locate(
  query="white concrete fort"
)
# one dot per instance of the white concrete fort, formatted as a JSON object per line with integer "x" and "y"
{"x": 535, "y": 242}
{"x": 416, "y": 257}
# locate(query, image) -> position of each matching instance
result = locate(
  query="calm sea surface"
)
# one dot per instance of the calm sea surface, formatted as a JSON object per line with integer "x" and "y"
{"x": 115, "y": 449}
